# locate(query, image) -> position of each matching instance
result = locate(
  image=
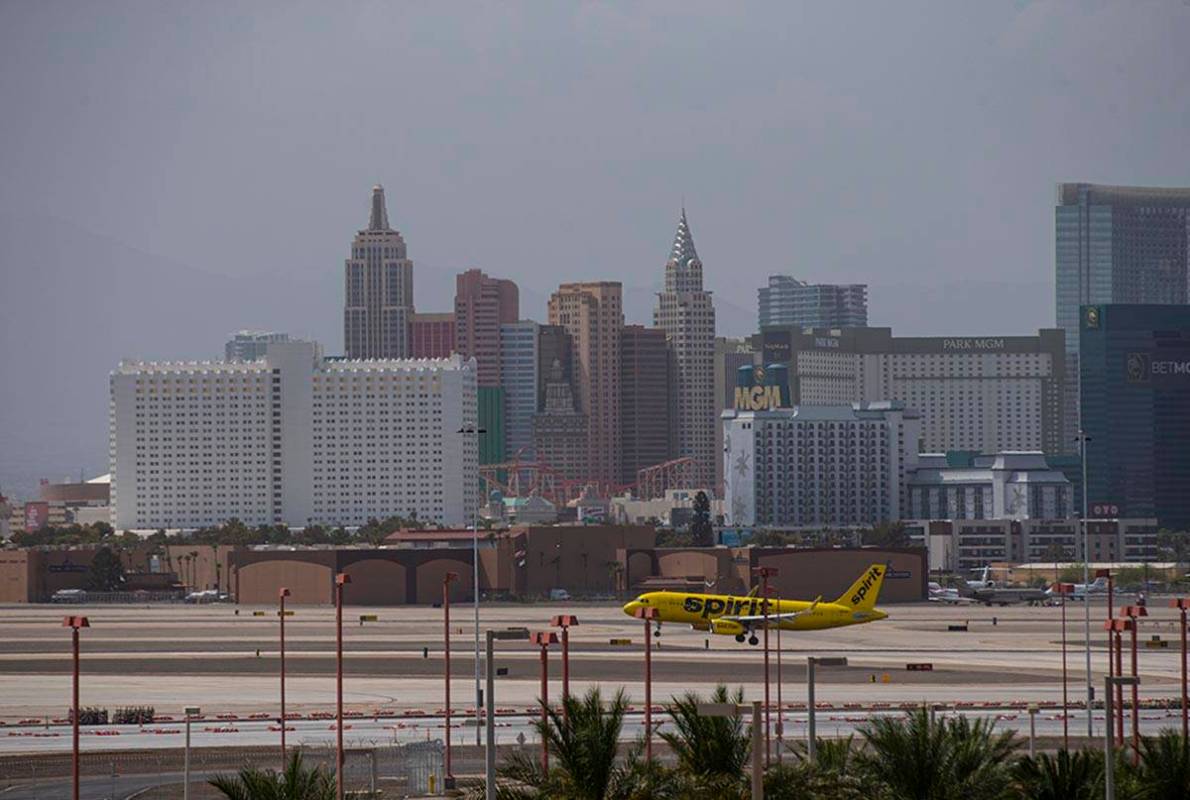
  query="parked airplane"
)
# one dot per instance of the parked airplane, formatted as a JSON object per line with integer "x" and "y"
{"x": 1082, "y": 590}
{"x": 948, "y": 595}
{"x": 743, "y": 616}
{"x": 992, "y": 593}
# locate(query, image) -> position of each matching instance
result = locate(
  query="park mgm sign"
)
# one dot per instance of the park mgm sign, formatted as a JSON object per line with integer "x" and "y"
{"x": 762, "y": 388}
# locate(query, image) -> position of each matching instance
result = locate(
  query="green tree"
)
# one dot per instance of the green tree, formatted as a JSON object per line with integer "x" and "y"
{"x": 297, "y": 782}
{"x": 1164, "y": 766}
{"x": 918, "y": 758}
{"x": 711, "y": 748}
{"x": 888, "y": 534}
{"x": 585, "y": 764}
{"x": 107, "y": 572}
{"x": 700, "y": 523}
{"x": 1064, "y": 775}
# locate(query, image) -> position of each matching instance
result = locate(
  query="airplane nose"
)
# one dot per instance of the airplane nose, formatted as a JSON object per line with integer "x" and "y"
{"x": 630, "y": 608}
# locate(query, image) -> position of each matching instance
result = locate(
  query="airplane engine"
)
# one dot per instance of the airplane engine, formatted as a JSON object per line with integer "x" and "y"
{"x": 727, "y": 627}
{"x": 700, "y": 626}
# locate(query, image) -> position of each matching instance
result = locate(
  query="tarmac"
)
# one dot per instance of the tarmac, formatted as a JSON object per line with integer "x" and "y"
{"x": 224, "y": 658}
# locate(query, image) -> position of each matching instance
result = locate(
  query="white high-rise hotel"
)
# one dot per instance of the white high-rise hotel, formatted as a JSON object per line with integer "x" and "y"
{"x": 292, "y": 438}
{"x": 686, "y": 314}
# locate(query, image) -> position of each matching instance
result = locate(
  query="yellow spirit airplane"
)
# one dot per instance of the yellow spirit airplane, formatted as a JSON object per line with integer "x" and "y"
{"x": 743, "y": 616}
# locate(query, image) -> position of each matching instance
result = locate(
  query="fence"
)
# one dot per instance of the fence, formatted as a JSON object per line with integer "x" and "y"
{"x": 376, "y": 769}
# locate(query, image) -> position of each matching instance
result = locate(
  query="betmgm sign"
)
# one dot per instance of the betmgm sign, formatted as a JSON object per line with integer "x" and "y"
{"x": 762, "y": 388}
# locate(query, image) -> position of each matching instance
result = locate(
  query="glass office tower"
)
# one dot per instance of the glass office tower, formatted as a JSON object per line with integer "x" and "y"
{"x": 1135, "y": 373}
{"x": 1116, "y": 244}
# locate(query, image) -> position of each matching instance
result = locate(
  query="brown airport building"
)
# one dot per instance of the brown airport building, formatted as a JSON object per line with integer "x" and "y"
{"x": 587, "y": 561}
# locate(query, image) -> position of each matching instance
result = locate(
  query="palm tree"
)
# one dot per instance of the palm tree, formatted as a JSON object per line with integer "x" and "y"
{"x": 1164, "y": 766}
{"x": 706, "y": 746}
{"x": 584, "y": 748}
{"x": 1066, "y": 775}
{"x": 917, "y": 758}
{"x": 297, "y": 782}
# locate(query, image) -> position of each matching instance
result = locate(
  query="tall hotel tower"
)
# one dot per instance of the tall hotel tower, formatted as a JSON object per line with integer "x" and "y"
{"x": 685, "y": 312}
{"x": 379, "y": 290}
{"x": 593, "y": 315}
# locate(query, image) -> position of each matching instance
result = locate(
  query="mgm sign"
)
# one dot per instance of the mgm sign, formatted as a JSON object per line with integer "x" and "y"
{"x": 761, "y": 389}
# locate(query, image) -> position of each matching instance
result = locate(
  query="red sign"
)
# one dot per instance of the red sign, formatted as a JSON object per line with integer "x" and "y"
{"x": 37, "y": 516}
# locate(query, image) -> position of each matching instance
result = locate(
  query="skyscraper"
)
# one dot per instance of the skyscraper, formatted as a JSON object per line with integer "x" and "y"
{"x": 379, "y": 289}
{"x": 646, "y": 399}
{"x": 560, "y": 434}
{"x": 593, "y": 316}
{"x": 482, "y": 305}
{"x": 520, "y": 378}
{"x": 1116, "y": 244}
{"x": 1136, "y": 411}
{"x": 685, "y": 312}
{"x": 788, "y": 301}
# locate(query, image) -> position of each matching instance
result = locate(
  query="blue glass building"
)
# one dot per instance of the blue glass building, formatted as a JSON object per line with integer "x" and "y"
{"x": 1135, "y": 407}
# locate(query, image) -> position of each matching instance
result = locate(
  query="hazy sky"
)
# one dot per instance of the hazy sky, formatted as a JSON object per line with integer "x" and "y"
{"x": 912, "y": 146}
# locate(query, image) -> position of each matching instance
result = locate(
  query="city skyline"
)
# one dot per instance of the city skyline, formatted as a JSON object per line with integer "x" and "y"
{"x": 160, "y": 172}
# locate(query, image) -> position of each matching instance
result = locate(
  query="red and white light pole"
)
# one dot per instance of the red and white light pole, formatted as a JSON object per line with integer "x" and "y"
{"x": 447, "y": 579}
{"x": 765, "y": 573}
{"x": 1181, "y": 604}
{"x": 1133, "y": 613}
{"x": 780, "y": 714}
{"x": 282, "y": 593}
{"x": 544, "y": 639}
{"x": 565, "y": 622}
{"x": 341, "y": 580}
{"x": 74, "y": 623}
{"x": 648, "y": 615}
{"x": 1065, "y": 589}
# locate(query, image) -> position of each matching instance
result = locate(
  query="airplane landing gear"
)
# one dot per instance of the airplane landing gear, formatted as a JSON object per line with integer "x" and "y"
{"x": 657, "y": 631}
{"x": 752, "y": 640}
{"x": 739, "y": 637}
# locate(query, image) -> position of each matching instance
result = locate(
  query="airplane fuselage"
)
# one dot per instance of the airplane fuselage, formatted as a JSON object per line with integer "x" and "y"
{"x": 699, "y": 610}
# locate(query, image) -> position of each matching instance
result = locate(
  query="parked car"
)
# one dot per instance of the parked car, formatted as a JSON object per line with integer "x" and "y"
{"x": 69, "y": 596}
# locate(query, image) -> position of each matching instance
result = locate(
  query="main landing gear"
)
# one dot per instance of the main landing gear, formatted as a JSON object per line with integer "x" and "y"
{"x": 752, "y": 640}
{"x": 739, "y": 637}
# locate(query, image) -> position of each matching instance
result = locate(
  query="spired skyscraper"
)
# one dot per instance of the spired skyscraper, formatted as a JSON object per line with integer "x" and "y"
{"x": 379, "y": 289}
{"x": 1116, "y": 244}
{"x": 685, "y": 312}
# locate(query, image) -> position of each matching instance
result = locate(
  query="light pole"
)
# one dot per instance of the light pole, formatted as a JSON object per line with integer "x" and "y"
{"x": 1082, "y": 442}
{"x": 565, "y": 622}
{"x": 476, "y": 431}
{"x": 811, "y": 733}
{"x": 732, "y": 710}
{"x": 74, "y": 623}
{"x": 1065, "y": 589}
{"x": 191, "y": 712}
{"x": 648, "y": 614}
{"x": 780, "y": 729}
{"x": 1133, "y": 613}
{"x": 447, "y": 579}
{"x": 765, "y": 573}
{"x": 1181, "y": 604}
{"x": 341, "y": 580}
{"x": 544, "y": 639}
{"x": 282, "y": 593}
{"x": 1109, "y": 760}
{"x": 489, "y": 753}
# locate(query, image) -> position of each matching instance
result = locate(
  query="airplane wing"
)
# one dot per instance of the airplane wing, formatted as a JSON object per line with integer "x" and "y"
{"x": 752, "y": 619}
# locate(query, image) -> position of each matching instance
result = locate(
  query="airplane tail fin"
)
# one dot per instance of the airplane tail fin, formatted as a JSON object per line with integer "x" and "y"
{"x": 863, "y": 593}
{"x": 754, "y": 591}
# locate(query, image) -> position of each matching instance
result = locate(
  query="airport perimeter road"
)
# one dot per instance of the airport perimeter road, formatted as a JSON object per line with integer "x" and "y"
{"x": 226, "y": 663}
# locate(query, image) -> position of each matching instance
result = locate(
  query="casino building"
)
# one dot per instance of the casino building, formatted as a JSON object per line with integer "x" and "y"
{"x": 815, "y": 466}
{"x": 1135, "y": 409}
{"x": 292, "y": 438}
{"x": 987, "y": 394}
